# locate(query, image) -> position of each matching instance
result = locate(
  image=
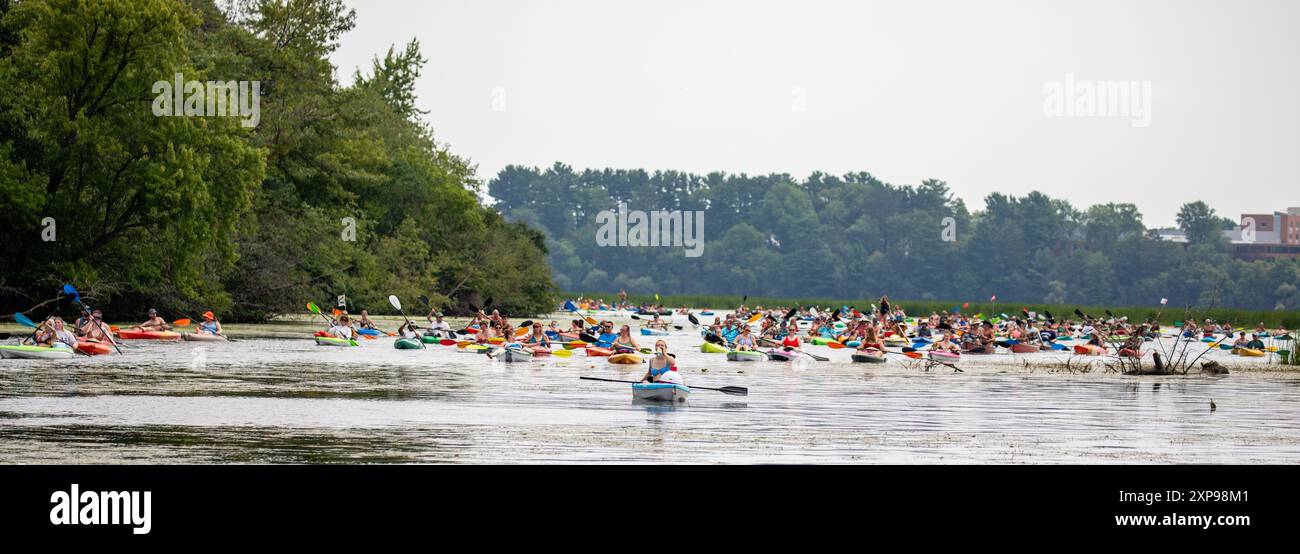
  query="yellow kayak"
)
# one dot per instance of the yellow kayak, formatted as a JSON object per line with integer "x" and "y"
{"x": 1248, "y": 352}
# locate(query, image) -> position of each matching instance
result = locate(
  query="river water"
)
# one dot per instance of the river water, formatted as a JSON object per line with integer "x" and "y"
{"x": 290, "y": 401}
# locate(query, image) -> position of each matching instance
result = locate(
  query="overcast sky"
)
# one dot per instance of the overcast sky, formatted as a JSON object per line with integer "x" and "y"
{"x": 907, "y": 90}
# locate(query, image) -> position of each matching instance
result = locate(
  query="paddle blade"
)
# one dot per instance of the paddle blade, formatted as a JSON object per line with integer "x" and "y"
{"x": 634, "y": 316}
{"x": 447, "y": 342}
{"x": 835, "y": 345}
{"x": 734, "y": 391}
{"x": 488, "y": 303}
{"x": 24, "y": 321}
{"x": 181, "y": 322}
{"x": 397, "y": 304}
{"x": 424, "y": 299}
{"x": 521, "y": 331}
{"x": 311, "y": 307}
{"x": 562, "y": 353}
{"x": 368, "y": 337}
{"x": 337, "y": 312}
{"x": 590, "y": 320}
{"x": 754, "y": 318}
{"x": 914, "y": 355}
{"x": 693, "y": 319}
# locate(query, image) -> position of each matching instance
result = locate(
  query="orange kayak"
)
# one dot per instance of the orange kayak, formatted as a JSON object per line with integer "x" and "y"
{"x": 94, "y": 347}
{"x": 148, "y": 335}
{"x": 598, "y": 351}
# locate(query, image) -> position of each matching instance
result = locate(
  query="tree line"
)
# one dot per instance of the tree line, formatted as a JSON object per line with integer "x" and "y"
{"x": 340, "y": 188}
{"x": 855, "y": 236}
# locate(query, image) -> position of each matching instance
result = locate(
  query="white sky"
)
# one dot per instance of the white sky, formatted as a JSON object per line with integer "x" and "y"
{"x": 906, "y": 90}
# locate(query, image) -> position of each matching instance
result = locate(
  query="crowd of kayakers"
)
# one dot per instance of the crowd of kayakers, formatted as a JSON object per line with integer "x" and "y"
{"x": 91, "y": 334}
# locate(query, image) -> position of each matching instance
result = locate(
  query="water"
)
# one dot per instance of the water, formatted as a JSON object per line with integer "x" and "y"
{"x": 290, "y": 401}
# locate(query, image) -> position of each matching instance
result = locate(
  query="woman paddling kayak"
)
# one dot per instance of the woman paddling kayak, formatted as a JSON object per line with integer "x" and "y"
{"x": 537, "y": 337}
{"x": 54, "y": 333}
{"x": 209, "y": 325}
{"x": 624, "y": 341}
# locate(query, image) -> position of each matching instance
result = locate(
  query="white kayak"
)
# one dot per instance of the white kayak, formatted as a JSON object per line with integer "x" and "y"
{"x": 35, "y": 352}
{"x": 517, "y": 355}
{"x": 205, "y": 337}
{"x": 646, "y": 331}
{"x": 660, "y": 392}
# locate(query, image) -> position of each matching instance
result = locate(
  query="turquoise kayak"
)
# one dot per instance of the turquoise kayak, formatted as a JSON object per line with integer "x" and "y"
{"x": 660, "y": 392}
{"x": 407, "y": 344}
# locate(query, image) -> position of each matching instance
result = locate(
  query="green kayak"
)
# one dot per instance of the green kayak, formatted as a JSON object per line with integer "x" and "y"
{"x": 335, "y": 341}
{"x": 35, "y": 352}
{"x": 710, "y": 348}
{"x": 821, "y": 341}
{"x": 429, "y": 339}
{"x": 407, "y": 344}
{"x": 745, "y": 356}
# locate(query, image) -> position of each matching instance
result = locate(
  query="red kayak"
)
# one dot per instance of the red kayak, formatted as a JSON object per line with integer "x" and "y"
{"x": 148, "y": 335}
{"x": 944, "y": 356}
{"x": 94, "y": 347}
{"x": 598, "y": 351}
{"x": 1089, "y": 350}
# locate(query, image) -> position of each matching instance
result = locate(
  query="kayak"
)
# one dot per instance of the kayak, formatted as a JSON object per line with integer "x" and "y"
{"x": 894, "y": 341}
{"x": 430, "y": 339}
{"x": 540, "y": 350}
{"x": 1248, "y": 352}
{"x": 986, "y": 349}
{"x": 94, "y": 347}
{"x": 653, "y": 332}
{"x": 853, "y": 343}
{"x": 204, "y": 337}
{"x": 868, "y": 358}
{"x": 706, "y": 313}
{"x": 148, "y": 335}
{"x": 496, "y": 340}
{"x": 517, "y": 355}
{"x": 624, "y": 359}
{"x": 35, "y": 352}
{"x": 711, "y": 348}
{"x": 569, "y": 336}
{"x": 942, "y": 356}
{"x": 745, "y": 356}
{"x": 407, "y": 344}
{"x": 335, "y": 341}
{"x": 660, "y": 392}
{"x": 473, "y": 349}
{"x": 782, "y": 355}
{"x": 1024, "y": 348}
{"x": 371, "y": 332}
{"x": 1089, "y": 350}
{"x": 598, "y": 351}
{"x": 820, "y": 341}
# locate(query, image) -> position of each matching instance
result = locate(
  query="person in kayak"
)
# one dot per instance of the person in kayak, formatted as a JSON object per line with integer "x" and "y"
{"x": 209, "y": 325}
{"x": 408, "y": 330}
{"x": 154, "y": 323}
{"x": 94, "y": 328}
{"x": 657, "y": 323}
{"x": 945, "y": 344}
{"x": 364, "y": 321}
{"x": 624, "y": 341}
{"x": 343, "y": 328}
{"x": 663, "y": 368}
{"x": 537, "y": 337}
{"x": 53, "y": 333}
{"x": 743, "y": 340}
{"x": 437, "y": 326}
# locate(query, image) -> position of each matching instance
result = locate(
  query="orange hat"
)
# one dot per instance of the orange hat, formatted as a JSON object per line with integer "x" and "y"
{"x": 208, "y": 315}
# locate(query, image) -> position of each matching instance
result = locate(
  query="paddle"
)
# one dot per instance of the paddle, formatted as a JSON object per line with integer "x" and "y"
{"x": 835, "y": 345}
{"x": 392, "y": 299}
{"x": 694, "y": 321}
{"x": 734, "y": 391}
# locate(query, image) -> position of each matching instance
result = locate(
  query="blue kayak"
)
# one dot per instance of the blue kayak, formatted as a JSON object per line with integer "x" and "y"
{"x": 660, "y": 392}
{"x": 653, "y": 332}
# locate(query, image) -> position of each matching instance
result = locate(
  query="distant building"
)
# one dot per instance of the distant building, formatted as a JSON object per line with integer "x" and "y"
{"x": 1276, "y": 235}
